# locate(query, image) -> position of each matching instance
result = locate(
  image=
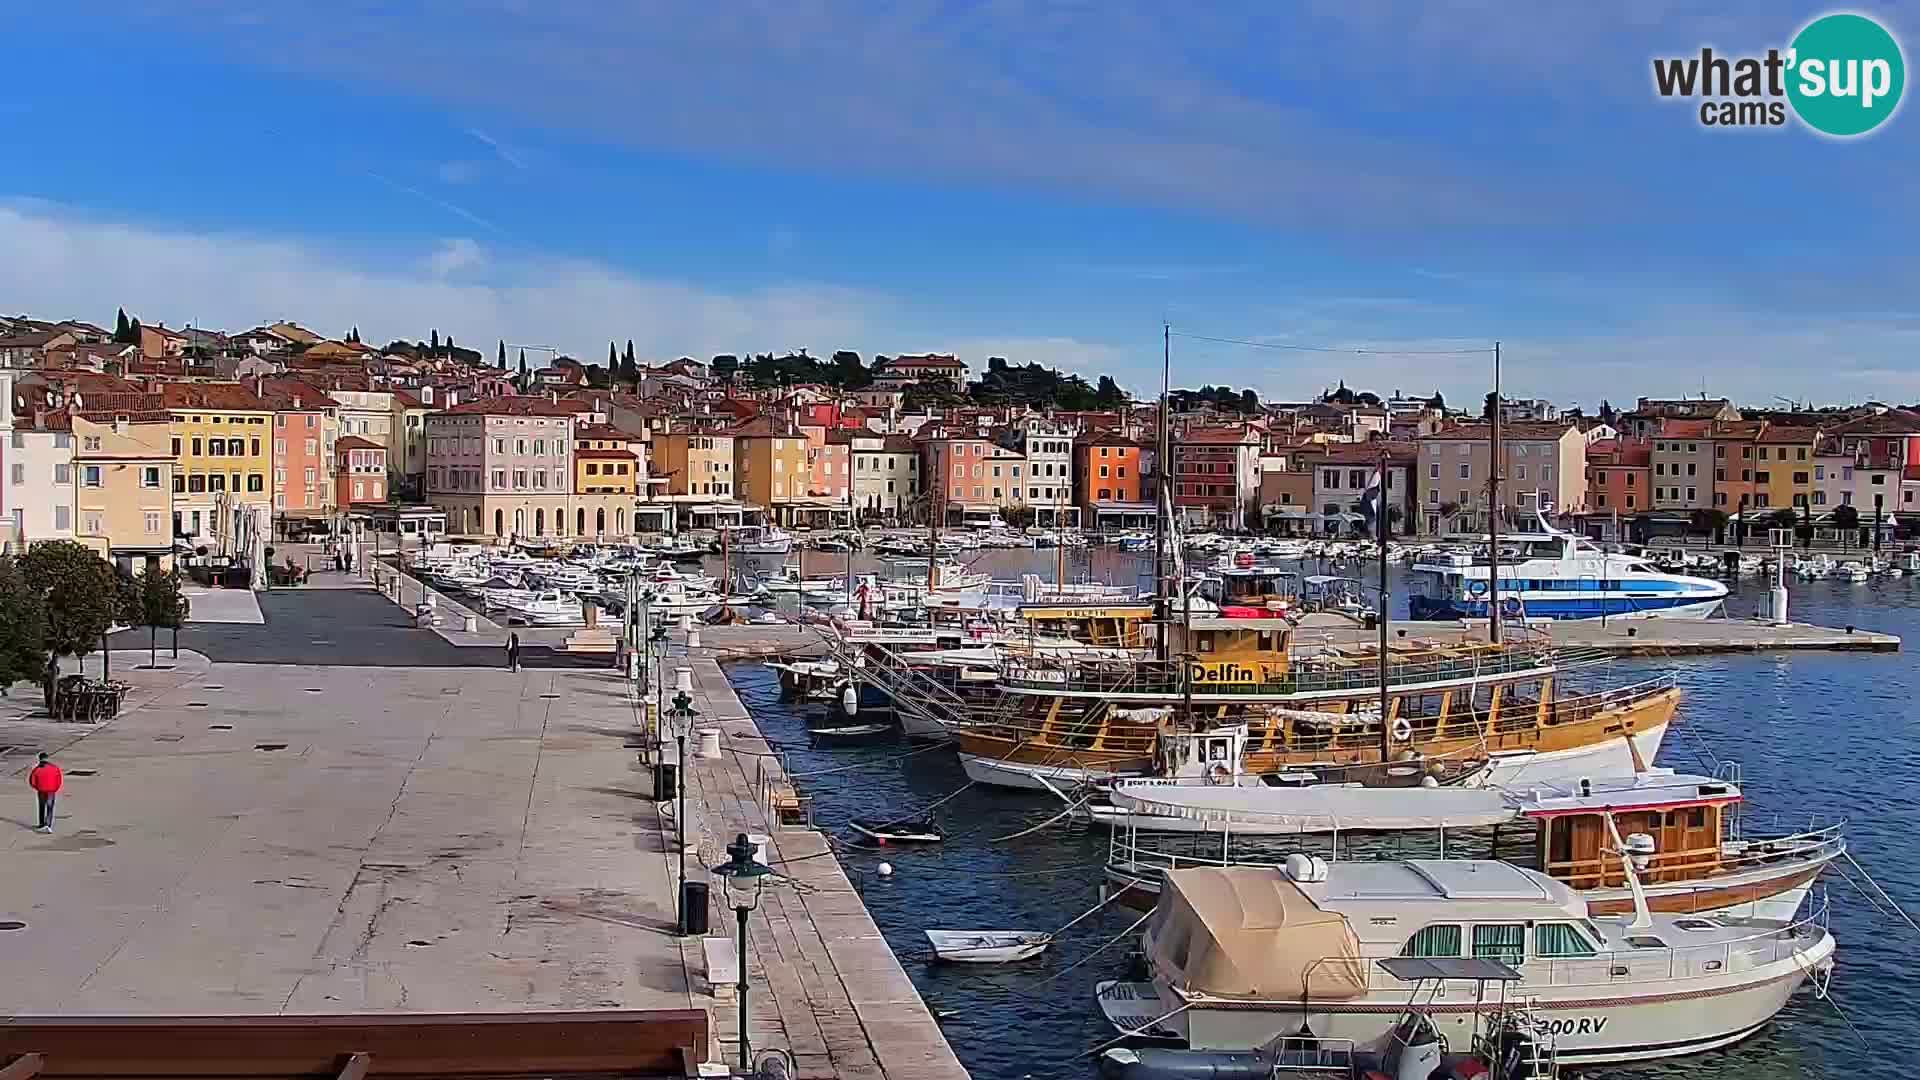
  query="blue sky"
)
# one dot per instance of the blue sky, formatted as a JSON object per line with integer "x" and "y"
{"x": 1046, "y": 182}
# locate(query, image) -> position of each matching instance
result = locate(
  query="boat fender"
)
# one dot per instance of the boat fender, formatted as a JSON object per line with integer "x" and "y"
{"x": 849, "y": 700}
{"x": 885, "y": 869}
{"x": 1402, "y": 729}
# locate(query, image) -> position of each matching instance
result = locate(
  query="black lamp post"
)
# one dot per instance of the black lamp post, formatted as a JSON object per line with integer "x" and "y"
{"x": 681, "y": 719}
{"x": 744, "y": 877}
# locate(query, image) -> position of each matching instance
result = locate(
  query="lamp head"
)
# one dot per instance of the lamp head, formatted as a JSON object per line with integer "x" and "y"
{"x": 742, "y": 874}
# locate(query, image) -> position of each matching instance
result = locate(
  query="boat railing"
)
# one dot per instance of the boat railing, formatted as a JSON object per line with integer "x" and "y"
{"x": 1731, "y": 856}
{"x": 1668, "y": 959}
{"x": 1062, "y": 675}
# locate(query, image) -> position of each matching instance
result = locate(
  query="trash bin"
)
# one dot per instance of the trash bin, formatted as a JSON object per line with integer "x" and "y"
{"x": 666, "y": 780}
{"x": 693, "y": 907}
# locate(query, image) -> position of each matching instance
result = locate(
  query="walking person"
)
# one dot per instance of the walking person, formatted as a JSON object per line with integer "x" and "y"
{"x": 513, "y": 652}
{"x": 45, "y": 780}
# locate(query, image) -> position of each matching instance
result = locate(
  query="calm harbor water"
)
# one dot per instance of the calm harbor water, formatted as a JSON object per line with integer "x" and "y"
{"x": 1819, "y": 735}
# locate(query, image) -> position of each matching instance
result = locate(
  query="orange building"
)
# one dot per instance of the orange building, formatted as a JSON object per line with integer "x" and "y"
{"x": 360, "y": 478}
{"x": 1106, "y": 478}
{"x": 303, "y": 472}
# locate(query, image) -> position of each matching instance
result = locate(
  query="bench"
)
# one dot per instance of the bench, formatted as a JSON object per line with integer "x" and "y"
{"x": 723, "y": 966}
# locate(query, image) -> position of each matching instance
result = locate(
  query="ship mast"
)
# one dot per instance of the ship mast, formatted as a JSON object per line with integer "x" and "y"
{"x": 1493, "y": 513}
{"x": 1165, "y": 502}
{"x": 1382, "y": 532}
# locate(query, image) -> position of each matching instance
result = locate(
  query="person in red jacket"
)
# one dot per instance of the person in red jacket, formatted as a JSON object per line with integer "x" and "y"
{"x": 45, "y": 781}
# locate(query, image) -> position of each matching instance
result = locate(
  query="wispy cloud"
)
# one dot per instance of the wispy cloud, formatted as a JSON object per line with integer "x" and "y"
{"x": 501, "y": 150}
{"x": 451, "y": 208}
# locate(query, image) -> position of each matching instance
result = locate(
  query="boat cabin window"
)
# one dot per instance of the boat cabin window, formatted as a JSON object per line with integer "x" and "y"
{"x": 1645, "y": 941}
{"x": 1204, "y": 641}
{"x": 1506, "y": 942}
{"x": 1439, "y": 940}
{"x": 1560, "y": 939}
{"x": 1266, "y": 641}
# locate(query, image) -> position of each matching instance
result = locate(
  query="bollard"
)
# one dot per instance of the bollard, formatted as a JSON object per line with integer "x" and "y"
{"x": 710, "y": 743}
{"x": 470, "y": 624}
{"x": 693, "y": 639}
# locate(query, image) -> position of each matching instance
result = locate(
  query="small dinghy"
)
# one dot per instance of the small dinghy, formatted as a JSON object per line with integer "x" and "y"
{"x": 911, "y": 831}
{"x": 987, "y": 946}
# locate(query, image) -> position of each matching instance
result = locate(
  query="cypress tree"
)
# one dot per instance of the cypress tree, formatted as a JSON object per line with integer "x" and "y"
{"x": 503, "y": 354}
{"x": 523, "y": 369}
{"x": 436, "y": 341}
{"x": 120, "y": 327}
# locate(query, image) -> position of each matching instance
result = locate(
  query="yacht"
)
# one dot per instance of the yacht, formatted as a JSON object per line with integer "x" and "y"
{"x": 755, "y": 540}
{"x": 1240, "y": 955}
{"x": 545, "y": 607}
{"x": 1685, "y": 833}
{"x": 1556, "y": 575}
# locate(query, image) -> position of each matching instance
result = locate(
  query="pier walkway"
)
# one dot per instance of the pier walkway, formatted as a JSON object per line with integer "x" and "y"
{"x": 336, "y": 812}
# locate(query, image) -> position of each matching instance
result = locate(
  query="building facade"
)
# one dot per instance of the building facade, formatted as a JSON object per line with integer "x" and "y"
{"x": 360, "y": 474}
{"x": 886, "y": 476}
{"x": 1543, "y": 465}
{"x": 1216, "y": 476}
{"x": 1682, "y": 459}
{"x": 502, "y": 467}
{"x": 223, "y": 448}
{"x": 123, "y": 502}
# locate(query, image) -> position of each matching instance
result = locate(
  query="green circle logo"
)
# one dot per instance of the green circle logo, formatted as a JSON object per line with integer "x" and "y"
{"x": 1845, "y": 75}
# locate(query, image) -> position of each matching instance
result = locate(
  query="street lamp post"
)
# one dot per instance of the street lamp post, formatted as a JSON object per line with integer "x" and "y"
{"x": 682, "y": 720}
{"x": 744, "y": 877}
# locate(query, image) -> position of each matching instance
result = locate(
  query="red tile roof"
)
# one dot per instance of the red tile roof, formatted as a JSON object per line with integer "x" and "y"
{"x": 355, "y": 442}
{"x": 1891, "y": 422}
{"x": 1483, "y": 432}
{"x": 518, "y": 405}
{"x": 1788, "y": 435}
{"x": 620, "y": 455}
{"x": 211, "y": 396}
{"x": 1216, "y": 436}
{"x": 281, "y": 394}
{"x": 1673, "y": 428}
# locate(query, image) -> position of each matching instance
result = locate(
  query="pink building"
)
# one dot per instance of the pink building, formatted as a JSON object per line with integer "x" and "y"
{"x": 502, "y": 466}
{"x": 361, "y": 476}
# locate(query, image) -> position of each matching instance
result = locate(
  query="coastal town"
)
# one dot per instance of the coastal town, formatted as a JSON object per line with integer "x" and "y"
{"x": 145, "y": 441}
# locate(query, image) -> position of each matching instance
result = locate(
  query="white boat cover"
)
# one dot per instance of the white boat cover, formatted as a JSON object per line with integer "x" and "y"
{"x": 1320, "y": 808}
{"x": 1249, "y": 932}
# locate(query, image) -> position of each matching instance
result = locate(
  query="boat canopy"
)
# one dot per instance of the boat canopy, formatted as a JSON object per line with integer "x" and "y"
{"x": 1251, "y": 933}
{"x": 1320, "y": 808}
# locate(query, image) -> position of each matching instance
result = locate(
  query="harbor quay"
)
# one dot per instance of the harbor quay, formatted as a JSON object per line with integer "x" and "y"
{"x": 331, "y": 811}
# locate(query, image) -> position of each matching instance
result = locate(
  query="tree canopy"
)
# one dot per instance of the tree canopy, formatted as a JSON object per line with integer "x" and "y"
{"x": 22, "y": 625}
{"x": 78, "y": 591}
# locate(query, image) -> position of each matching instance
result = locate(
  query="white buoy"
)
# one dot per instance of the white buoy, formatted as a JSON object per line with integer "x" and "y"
{"x": 885, "y": 869}
{"x": 850, "y": 700}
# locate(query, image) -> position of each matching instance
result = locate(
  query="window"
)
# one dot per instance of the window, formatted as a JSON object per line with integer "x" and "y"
{"x": 63, "y": 474}
{"x": 1441, "y": 940}
{"x": 150, "y": 476}
{"x": 62, "y": 518}
{"x": 196, "y": 483}
{"x": 1819, "y": 472}
{"x": 1433, "y": 499}
{"x": 1799, "y": 478}
{"x": 217, "y": 482}
{"x": 238, "y": 448}
{"x": 1800, "y": 453}
{"x": 313, "y": 447}
{"x": 257, "y": 482}
{"x": 1520, "y": 472}
{"x": 1121, "y": 472}
{"x": 154, "y": 519}
{"x": 1433, "y": 470}
{"x": 1506, "y": 942}
{"x": 176, "y": 446}
{"x": 19, "y": 473}
{"x": 1466, "y": 470}
{"x": 179, "y": 484}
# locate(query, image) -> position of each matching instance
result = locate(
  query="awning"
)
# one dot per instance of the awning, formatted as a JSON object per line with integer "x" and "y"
{"x": 1250, "y": 932}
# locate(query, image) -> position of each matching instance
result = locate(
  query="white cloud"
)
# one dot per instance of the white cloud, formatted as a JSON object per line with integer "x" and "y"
{"x": 63, "y": 266}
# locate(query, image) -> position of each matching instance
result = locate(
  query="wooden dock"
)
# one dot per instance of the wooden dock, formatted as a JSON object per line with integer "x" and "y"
{"x": 825, "y": 985}
{"x": 1628, "y": 637}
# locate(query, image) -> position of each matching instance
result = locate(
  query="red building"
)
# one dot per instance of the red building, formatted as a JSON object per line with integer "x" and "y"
{"x": 1216, "y": 475}
{"x": 360, "y": 477}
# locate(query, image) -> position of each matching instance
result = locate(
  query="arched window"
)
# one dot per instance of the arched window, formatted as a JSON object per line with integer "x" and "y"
{"x": 540, "y": 522}
{"x": 580, "y": 521}
{"x": 499, "y": 523}
{"x": 520, "y": 522}
{"x": 620, "y": 521}
{"x": 559, "y": 523}
{"x": 600, "y": 521}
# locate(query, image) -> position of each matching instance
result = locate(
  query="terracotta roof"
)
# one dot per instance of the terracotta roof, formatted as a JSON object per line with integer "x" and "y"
{"x": 599, "y": 431}
{"x": 927, "y": 360}
{"x": 1217, "y": 436}
{"x": 210, "y": 396}
{"x": 898, "y": 444}
{"x": 618, "y": 455}
{"x": 130, "y": 401}
{"x": 1789, "y": 435}
{"x": 1891, "y": 422}
{"x": 1672, "y": 428}
{"x": 405, "y": 400}
{"x": 1483, "y": 432}
{"x": 280, "y": 394}
{"x": 1738, "y": 429}
{"x": 517, "y": 405}
{"x": 149, "y": 416}
{"x": 355, "y": 442}
{"x": 763, "y": 427}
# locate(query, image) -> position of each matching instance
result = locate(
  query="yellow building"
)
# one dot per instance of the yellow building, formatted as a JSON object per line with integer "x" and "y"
{"x": 605, "y": 461}
{"x": 123, "y": 495}
{"x": 695, "y": 463}
{"x": 770, "y": 458}
{"x": 1783, "y": 466}
{"x": 222, "y": 443}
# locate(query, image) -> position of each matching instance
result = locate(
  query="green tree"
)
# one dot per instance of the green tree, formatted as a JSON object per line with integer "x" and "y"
{"x": 1486, "y": 410}
{"x": 1437, "y": 402}
{"x": 78, "y": 592}
{"x": 613, "y": 357}
{"x": 158, "y": 602}
{"x": 133, "y": 332}
{"x": 123, "y": 330}
{"x": 1108, "y": 394}
{"x": 501, "y": 360}
{"x": 1250, "y": 401}
{"x": 1846, "y": 518}
{"x": 629, "y": 367}
{"x": 353, "y": 335}
{"x": 724, "y": 367}
{"x": 435, "y": 342}
{"x": 523, "y": 369}
{"x": 22, "y": 627}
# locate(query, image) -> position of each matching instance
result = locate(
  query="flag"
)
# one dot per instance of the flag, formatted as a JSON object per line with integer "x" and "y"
{"x": 1373, "y": 502}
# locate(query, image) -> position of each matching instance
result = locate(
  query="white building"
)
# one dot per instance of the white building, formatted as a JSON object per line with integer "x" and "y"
{"x": 886, "y": 475}
{"x": 39, "y": 472}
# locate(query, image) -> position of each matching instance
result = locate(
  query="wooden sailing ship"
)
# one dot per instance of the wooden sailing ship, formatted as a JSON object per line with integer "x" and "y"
{"x": 1064, "y": 721}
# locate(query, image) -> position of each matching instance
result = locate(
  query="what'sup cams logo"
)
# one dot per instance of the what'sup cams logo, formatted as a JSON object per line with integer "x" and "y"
{"x": 1842, "y": 76}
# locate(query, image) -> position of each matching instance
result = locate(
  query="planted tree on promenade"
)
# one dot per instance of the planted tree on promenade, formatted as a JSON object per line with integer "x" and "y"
{"x": 22, "y": 627}
{"x": 77, "y": 593}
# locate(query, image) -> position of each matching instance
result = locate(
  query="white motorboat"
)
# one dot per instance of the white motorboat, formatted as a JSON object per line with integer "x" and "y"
{"x": 1854, "y": 571}
{"x": 987, "y": 946}
{"x": 755, "y": 540}
{"x": 788, "y": 579}
{"x": 1238, "y": 956}
{"x": 546, "y": 607}
{"x": 1815, "y": 567}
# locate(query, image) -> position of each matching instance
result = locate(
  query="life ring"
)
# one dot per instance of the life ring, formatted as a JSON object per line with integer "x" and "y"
{"x": 1219, "y": 774}
{"x": 1476, "y": 588}
{"x": 1402, "y": 729}
{"x": 1510, "y": 606}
